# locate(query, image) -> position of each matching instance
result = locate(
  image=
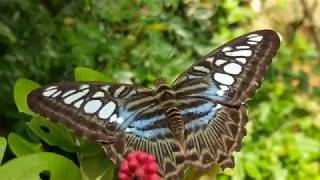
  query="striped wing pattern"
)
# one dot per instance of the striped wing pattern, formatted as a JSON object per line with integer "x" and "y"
{"x": 93, "y": 110}
{"x": 233, "y": 71}
{"x": 199, "y": 121}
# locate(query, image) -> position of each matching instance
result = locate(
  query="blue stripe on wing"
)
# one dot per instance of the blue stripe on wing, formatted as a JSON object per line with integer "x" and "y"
{"x": 199, "y": 113}
{"x": 147, "y": 123}
{"x": 153, "y": 133}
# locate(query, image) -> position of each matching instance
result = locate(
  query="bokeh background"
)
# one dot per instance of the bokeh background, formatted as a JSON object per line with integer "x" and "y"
{"x": 135, "y": 41}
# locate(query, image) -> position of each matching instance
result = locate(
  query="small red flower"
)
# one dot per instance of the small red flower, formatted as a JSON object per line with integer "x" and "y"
{"x": 139, "y": 165}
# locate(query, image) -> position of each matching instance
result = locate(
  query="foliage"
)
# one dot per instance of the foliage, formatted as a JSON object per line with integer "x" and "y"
{"x": 133, "y": 42}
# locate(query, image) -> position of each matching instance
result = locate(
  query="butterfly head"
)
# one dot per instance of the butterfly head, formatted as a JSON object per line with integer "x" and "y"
{"x": 160, "y": 83}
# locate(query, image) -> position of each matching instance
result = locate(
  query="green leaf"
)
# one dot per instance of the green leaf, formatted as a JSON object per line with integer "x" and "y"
{"x": 209, "y": 174}
{"x": 53, "y": 133}
{"x": 88, "y": 148}
{"x": 97, "y": 167}
{"x": 3, "y": 145}
{"x": 252, "y": 169}
{"x": 30, "y": 166}
{"x": 20, "y": 147}
{"x": 87, "y": 74}
{"x": 21, "y": 90}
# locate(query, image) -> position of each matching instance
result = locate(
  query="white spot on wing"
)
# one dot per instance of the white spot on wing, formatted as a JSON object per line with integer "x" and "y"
{"x": 257, "y": 38}
{"x": 70, "y": 99}
{"x": 92, "y": 106}
{"x": 130, "y": 129}
{"x": 242, "y": 47}
{"x": 106, "y": 87}
{"x": 107, "y": 110}
{"x": 68, "y": 93}
{"x": 225, "y": 49}
{"x": 242, "y": 60}
{"x": 232, "y": 68}
{"x": 57, "y": 93}
{"x": 210, "y": 59}
{"x": 218, "y": 106}
{"x": 252, "y": 43}
{"x": 118, "y": 91}
{"x": 78, "y": 103}
{"x": 114, "y": 118}
{"x": 223, "y": 78}
{"x": 119, "y": 120}
{"x": 51, "y": 87}
{"x": 202, "y": 69}
{"x": 223, "y": 87}
{"x": 239, "y": 53}
{"x": 49, "y": 92}
{"x": 220, "y": 61}
{"x": 220, "y": 92}
{"x": 252, "y": 35}
{"x": 84, "y": 86}
{"x": 98, "y": 94}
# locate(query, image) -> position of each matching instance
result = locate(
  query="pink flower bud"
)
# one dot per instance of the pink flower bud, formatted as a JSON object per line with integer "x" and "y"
{"x": 140, "y": 165}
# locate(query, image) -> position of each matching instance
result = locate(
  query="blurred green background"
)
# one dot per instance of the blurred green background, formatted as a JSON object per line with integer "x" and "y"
{"x": 135, "y": 41}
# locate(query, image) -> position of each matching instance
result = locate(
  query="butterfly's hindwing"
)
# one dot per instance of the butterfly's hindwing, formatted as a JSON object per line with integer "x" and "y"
{"x": 213, "y": 143}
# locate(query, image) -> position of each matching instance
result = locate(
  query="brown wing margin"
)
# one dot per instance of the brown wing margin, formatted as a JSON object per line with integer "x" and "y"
{"x": 59, "y": 112}
{"x": 215, "y": 143}
{"x": 256, "y": 67}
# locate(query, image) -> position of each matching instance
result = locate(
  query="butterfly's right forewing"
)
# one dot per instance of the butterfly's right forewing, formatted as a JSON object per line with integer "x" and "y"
{"x": 232, "y": 73}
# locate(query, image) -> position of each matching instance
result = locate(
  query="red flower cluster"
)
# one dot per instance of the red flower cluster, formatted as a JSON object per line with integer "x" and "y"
{"x": 139, "y": 165}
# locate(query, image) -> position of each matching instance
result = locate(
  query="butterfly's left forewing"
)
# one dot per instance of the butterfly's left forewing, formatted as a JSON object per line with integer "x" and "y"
{"x": 93, "y": 110}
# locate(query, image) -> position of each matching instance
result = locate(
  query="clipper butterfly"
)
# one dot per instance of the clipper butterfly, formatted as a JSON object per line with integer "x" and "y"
{"x": 197, "y": 121}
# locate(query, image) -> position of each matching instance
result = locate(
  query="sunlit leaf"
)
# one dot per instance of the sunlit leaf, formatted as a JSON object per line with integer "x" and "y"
{"x": 3, "y": 145}
{"x": 20, "y": 146}
{"x": 21, "y": 90}
{"x": 87, "y": 74}
{"x": 54, "y": 166}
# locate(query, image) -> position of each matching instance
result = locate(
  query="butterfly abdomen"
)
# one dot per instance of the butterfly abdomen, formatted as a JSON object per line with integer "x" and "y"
{"x": 169, "y": 105}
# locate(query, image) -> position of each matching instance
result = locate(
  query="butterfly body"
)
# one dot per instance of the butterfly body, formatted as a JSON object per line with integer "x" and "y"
{"x": 198, "y": 121}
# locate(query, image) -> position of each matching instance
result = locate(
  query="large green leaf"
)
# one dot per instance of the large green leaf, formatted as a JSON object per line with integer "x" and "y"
{"x": 97, "y": 167}
{"x": 30, "y": 167}
{"x": 3, "y": 145}
{"x": 21, "y": 90}
{"x": 53, "y": 133}
{"x": 20, "y": 146}
{"x": 87, "y": 74}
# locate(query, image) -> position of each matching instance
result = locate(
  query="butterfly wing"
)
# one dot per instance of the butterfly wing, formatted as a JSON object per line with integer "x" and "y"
{"x": 93, "y": 110}
{"x": 213, "y": 131}
{"x": 217, "y": 88}
{"x": 233, "y": 72}
{"x": 122, "y": 117}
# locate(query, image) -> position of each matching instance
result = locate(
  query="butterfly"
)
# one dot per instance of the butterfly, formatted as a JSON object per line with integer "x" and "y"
{"x": 197, "y": 121}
